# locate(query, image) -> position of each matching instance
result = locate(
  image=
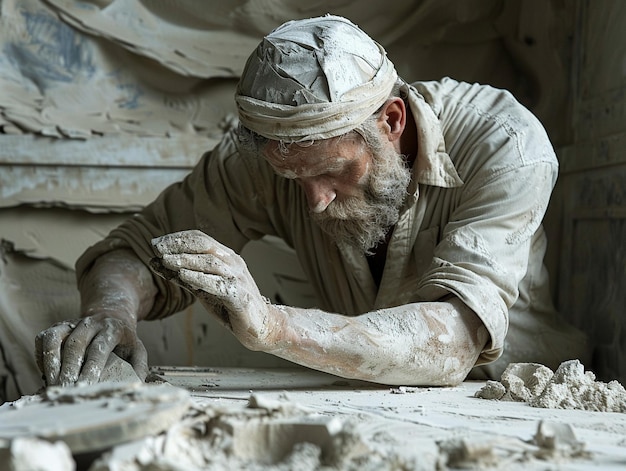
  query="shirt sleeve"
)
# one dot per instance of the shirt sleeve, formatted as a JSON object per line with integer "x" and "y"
{"x": 204, "y": 200}
{"x": 483, "y": 250}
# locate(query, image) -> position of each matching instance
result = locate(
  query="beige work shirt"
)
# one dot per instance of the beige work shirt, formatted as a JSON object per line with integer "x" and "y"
{"x": 470, "y": 225}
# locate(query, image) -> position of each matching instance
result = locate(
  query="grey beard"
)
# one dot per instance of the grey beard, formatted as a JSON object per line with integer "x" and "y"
{"x": 364, "y": 222}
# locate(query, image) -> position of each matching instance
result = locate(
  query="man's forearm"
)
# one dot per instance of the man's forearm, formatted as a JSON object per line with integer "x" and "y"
{"x": 418, "y": 344}
{"x": 118, "y": 284}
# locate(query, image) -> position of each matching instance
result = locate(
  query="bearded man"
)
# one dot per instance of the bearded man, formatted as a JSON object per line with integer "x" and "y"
{"x": 414, "y": 210}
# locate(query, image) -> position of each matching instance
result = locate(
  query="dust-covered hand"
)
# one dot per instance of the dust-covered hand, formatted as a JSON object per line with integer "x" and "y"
{"x": 116, "y": 292}
{"x": 221, "y": 280}
{"x": 76, "y": 351}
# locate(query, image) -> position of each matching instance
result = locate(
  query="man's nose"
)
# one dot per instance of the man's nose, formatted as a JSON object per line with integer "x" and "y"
{"x": 318, "y": 194}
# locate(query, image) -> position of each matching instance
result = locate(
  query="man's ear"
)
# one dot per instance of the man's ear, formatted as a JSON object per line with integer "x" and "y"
{"x": 392, "y": 118}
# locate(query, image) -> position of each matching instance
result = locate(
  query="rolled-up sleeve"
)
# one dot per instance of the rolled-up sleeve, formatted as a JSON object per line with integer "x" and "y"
{"x": 484, "y": 251}
{"x": 509, "y": 169}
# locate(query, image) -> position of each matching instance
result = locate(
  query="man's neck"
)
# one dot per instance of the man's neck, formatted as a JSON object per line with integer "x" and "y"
{"x": 377, "y": 260}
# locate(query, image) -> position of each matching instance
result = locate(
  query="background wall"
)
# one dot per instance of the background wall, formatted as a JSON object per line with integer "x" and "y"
{"x": 590, "y": 233}
{"x": 103, "y": 104}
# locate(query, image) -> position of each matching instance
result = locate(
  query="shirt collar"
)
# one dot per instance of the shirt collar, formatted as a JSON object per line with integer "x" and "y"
{"x": 433, "y": 166}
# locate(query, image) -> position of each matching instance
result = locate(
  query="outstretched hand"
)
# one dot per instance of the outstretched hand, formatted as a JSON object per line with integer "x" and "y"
{"x": 221, "y": 280}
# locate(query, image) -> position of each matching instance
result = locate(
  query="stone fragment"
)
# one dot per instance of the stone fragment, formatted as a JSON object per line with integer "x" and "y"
{"x": 525, "y": 381}
{"x": 491, "y": 390}
{"x": 118, "y": 370}
{"x": 557, "y": 440}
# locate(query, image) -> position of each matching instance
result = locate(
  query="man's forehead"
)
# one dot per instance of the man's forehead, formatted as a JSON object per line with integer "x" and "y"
{"x": 335, "y": 145}
{"x": 296, "y": 159}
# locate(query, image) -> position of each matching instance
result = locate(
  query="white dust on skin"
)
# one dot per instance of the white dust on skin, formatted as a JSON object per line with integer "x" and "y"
{"x": 569, "y": 387}
{"x": 197, "y": 262}
{"x": 397, "y": 346}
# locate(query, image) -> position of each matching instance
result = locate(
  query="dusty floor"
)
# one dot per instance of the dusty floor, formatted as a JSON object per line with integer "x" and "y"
{"x": 282, "y": 419}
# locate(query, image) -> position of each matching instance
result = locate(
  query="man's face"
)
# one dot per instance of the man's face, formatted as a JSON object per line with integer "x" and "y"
{"x": 354, "y": 192}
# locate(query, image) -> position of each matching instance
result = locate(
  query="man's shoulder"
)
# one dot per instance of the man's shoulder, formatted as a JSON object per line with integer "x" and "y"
{"x": 236, "y": 163}
{"x": 484, "y": 98}
{"x": 229, "y": 153}
{"x": 477, "y": 117}
{"x": 227, "y": 146}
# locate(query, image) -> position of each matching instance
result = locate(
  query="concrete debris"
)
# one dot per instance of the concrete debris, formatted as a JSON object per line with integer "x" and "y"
{"x": 95, "y": 417}
{"x": 34, "y": 454}
{"x": 555, "y": 442}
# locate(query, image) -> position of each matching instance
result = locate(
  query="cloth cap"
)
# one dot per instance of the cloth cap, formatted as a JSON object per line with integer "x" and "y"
{"x": 313, "y": 79}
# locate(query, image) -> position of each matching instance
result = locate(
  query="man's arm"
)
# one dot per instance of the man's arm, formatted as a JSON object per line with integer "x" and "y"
{"x": 116, "y": 293}
{"x": 433, "y": 344}
{"x": 416, "y": 344}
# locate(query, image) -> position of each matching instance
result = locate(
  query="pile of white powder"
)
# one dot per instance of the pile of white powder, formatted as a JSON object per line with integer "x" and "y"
{"x": 569, "y": 387}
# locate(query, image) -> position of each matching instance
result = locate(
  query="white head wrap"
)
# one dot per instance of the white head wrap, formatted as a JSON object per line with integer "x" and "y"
{"x": 313, "y": 79}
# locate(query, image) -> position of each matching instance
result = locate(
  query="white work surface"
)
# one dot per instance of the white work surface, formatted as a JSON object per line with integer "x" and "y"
{"x": 295, "y": 419}
{"x": 414, "y": 420}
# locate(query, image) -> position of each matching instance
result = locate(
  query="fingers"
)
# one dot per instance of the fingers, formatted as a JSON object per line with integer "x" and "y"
{"x": 98, "y": 353}
{"x": 193, "y": 241}
{"x": 139, "y": 360}
{"x": 77, "y": 351}
{"x": 48, "y": 345}
{"x": 209, "y": 271}
{"x": 217, "y": 276}
{"x": 224, "y": 288}
{"x": 77, "y": 347}
{"x": 197, "y": 262}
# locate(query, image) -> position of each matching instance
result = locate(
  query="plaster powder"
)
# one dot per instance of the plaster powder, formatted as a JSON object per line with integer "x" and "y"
{"x": 569, "y": 387}
{"x": 33, "y": 454}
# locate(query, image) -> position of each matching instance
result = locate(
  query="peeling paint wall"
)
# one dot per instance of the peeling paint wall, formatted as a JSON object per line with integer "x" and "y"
{"x": 102, "y": 174}
{"x": 102, "y": 105}
{"x": 82, "y": 69}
